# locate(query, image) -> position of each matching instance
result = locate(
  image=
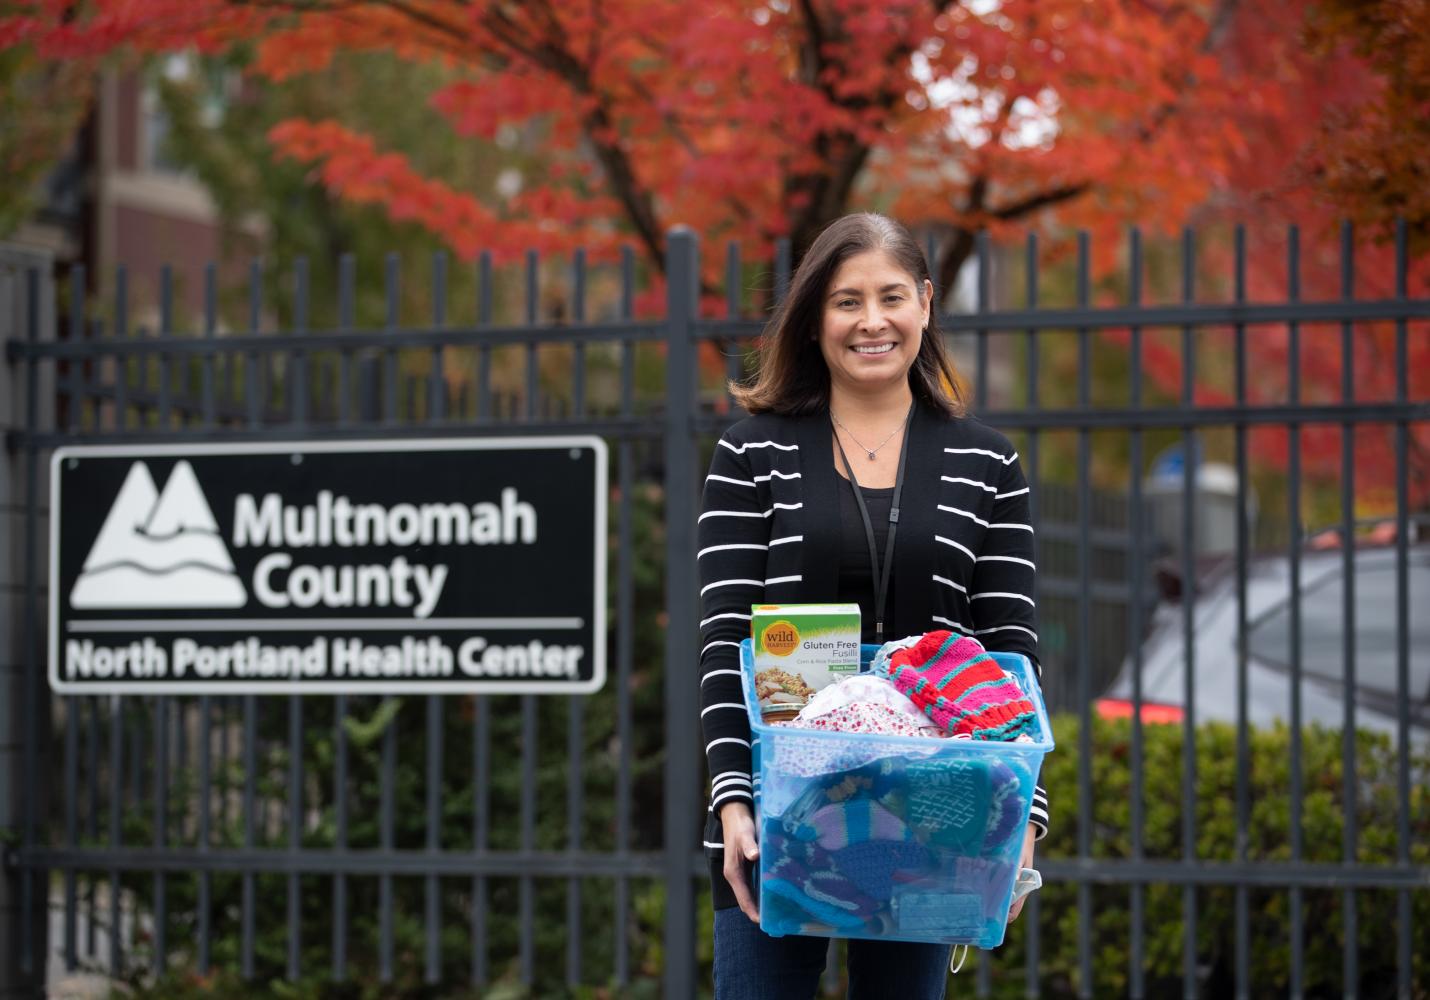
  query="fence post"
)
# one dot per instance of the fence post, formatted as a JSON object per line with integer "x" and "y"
{"x": 682, "y": 783}
{"x": 369, "y": 390}
{"x": 26, "y": 313}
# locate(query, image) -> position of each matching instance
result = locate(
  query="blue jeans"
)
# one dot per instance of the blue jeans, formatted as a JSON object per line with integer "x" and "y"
{"x": 751, "y": 965}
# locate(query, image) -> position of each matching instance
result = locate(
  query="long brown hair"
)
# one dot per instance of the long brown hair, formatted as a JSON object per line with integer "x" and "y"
{"x": 793, "y": 378}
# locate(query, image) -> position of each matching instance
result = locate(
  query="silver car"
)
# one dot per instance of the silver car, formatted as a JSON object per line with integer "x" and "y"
{"x": 1268, "y": 612}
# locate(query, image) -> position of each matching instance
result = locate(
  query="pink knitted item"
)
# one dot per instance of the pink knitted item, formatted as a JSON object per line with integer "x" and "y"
{"x": 959, "y": 686}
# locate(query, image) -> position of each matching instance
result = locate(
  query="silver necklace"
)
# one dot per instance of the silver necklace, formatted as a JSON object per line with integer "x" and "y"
{"x": 871, "y": 452}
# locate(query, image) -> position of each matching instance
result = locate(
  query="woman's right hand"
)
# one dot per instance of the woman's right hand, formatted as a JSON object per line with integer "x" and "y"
{"x": 740, "y": 846}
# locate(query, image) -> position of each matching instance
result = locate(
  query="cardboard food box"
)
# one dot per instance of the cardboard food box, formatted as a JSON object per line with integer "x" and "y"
{"x": 800, "y": 649}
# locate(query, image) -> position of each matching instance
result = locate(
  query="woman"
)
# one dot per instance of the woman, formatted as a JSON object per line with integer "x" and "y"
{"x": 857, "y": 478}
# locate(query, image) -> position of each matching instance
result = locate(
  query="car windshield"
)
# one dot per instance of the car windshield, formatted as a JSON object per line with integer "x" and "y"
{"x": 1322, "y": 621}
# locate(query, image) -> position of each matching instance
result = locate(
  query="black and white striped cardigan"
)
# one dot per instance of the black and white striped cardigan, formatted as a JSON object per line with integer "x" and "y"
{"x": 769, "y": 532}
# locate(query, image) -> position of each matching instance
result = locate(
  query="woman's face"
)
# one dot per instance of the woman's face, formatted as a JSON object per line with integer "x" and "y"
{"x": 873, "y": 323}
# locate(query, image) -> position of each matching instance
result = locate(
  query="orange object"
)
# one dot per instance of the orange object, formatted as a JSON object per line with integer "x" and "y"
{"x": 1121, "y": 708}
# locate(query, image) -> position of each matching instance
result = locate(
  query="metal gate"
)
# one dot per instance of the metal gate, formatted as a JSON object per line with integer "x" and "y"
{"x": 552, "y": 841}
{"x": 182, "y": 824}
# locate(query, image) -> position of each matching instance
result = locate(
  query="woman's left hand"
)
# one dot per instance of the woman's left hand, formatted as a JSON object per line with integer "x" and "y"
{"x": 1029, "y": 836}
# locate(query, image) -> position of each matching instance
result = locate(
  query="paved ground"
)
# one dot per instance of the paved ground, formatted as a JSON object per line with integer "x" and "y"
{"x": 92, "y": 945}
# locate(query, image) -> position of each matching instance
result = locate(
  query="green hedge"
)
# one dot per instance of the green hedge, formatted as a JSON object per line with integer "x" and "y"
{"x": 1268, "y": 840}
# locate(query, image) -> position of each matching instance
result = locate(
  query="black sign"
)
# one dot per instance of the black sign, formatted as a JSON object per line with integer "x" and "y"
{"x": 316, "y": 568}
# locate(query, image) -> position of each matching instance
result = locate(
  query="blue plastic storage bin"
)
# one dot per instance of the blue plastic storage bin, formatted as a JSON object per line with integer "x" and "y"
{"x": 928, "y": 832}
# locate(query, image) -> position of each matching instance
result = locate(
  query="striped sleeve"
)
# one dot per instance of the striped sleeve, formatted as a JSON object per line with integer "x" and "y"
{"x": 733, "y": 540}
{"x": 1003, "y": 592}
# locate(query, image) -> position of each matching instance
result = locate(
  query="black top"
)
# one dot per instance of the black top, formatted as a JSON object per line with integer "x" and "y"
{"x": 856, "y": 575}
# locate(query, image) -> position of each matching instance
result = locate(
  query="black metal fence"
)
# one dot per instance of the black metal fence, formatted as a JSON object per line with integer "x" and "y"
{"x": 552, "y": 841}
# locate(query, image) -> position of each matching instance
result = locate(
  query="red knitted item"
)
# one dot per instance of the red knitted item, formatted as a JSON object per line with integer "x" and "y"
{"x": 960, "y": 687}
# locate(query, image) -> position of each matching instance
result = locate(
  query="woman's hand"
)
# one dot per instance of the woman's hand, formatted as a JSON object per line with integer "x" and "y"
{"x": 740, "y": 846}
{"x": 1029, "y": 836}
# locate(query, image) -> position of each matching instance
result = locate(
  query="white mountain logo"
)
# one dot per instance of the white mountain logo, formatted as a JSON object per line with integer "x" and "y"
{"x": 159, "y": 550}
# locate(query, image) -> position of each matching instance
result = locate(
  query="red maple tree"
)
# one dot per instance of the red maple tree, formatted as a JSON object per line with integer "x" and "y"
{"x": 750, "y": 121}
{"x": 1333, "y": 152}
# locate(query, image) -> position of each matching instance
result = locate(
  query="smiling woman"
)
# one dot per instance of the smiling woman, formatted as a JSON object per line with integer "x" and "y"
{"x": 927, "y": 529}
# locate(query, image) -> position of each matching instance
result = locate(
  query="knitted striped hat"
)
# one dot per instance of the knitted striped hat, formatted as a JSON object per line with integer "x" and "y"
{"x": 856, "y": 821}
{"x": 959, "y": 686}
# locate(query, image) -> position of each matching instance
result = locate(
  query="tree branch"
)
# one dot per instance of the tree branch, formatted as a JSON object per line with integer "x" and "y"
{"x": 423, "y": 16}
{"x": 956, "y": 250}
{"x": 1215, "y": 36}
{"x": 1044, "y": 199}
{"x": 811, "y": 53}
{"x": 454, "y": 32}
{"x": 1221, "y": 24}
{"x": 509, "y": 33}
{"x": 593, "y": 48}
{"x": 599, "y": 128}
{"x": 826, "y": 192}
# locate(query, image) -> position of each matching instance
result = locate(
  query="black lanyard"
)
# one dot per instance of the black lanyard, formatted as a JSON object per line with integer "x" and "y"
{"x": 881, "y": 569}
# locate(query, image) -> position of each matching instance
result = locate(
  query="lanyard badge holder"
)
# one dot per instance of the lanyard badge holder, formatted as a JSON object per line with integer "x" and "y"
{"x": 881, "y": 568}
